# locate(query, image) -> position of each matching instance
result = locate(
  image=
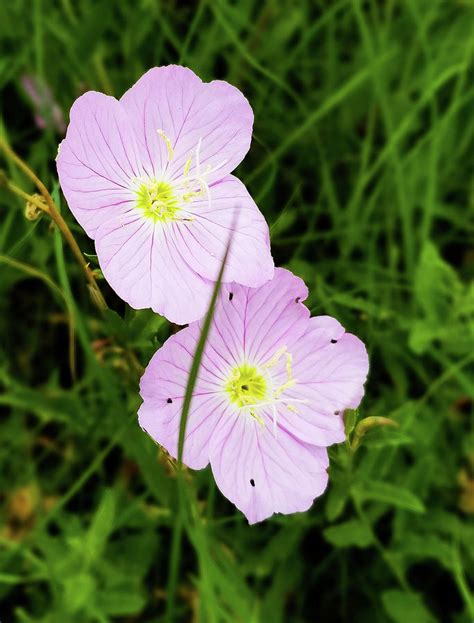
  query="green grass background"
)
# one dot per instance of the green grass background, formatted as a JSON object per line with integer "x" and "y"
{"x": 362, "y": 164}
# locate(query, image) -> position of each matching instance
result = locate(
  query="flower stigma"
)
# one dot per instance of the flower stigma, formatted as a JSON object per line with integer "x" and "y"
{"x": 246, "y": 385}
{"x": 250, "y": 387}
{"x": 157, "y": 201}
{"x": 164, "y": 200}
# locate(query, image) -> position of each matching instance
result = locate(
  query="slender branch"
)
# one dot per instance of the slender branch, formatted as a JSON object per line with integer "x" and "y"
{"x": 56, "y": 217}
{"x": 39, "y": 203}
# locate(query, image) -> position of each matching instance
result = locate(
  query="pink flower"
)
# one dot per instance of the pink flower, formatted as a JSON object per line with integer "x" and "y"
{"x": 148, "y": 178}
{"x": 272, "y": 387}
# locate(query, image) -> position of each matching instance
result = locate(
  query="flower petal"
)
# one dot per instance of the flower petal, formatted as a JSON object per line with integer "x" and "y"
{"x": 263, "y": 473}
{"x": 190, "y": 112}
{"x": 162, "y": 388}
{"x": 97, "y": 161}
{"x": 274, "y": 315}
{"x": 162, "y": 424}
{"x": 231, "y": 209}
{"x": 252, "y": 324}
{"x": 140, "y": 261}
{"x": 330, "y": 368}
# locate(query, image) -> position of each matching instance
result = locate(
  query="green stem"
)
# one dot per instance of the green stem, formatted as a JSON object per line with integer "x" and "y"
{"x": 183, "y": 514}
{"x": 55, "y": 216}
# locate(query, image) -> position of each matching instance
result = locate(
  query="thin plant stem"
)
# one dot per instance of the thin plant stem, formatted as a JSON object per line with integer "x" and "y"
{"x": 5, "y": 182}
{"x": 55, "y": 216}
{"x": 183, "y": 503}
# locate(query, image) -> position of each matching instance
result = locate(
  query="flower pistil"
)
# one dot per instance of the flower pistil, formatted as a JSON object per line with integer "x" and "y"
{"x": 164, "y": 200}
{"x": 250, "y": 387}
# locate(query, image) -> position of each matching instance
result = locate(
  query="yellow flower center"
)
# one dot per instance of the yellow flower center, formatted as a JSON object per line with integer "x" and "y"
{"x": 251, "y": 388}
{"x": 161, "y": 201}
{"x": 246, "y": 386}
{"x": 157, "y": 201}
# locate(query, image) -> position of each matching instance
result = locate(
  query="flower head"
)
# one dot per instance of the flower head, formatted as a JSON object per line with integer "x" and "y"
{"x": 271, "y": 390}
{"x": 148, "y": 177}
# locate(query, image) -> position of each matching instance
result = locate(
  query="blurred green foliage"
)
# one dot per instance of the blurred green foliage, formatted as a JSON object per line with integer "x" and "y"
{"x": 362, "y": 164}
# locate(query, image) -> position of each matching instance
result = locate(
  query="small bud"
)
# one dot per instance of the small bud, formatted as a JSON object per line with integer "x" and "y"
{"x": 98, "y": 274}
{"x": 32, "y": 211}
{"x": 366, "y": 424}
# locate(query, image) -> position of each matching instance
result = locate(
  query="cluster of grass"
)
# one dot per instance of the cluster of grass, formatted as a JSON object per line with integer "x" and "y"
{"x": 362, "y": 164}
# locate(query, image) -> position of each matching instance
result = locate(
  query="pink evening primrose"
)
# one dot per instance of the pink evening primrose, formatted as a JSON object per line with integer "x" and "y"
{"x": 269, "y": 398}
{"x": 148, "y": 178}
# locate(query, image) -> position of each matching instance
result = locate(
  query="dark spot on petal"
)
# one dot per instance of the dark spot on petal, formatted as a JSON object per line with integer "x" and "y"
{"x": 333, "y": 341}
{"x": 252, "y": 482}
{"x": 169, "y": 401}
{"x": 231, "y": 296}
{"x": 244, "y": 387}
{"x": 297, "y": 299}
{"x": 336, "y": 412}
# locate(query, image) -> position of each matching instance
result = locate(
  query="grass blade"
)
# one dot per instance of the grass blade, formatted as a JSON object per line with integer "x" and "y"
{"x": 183, "y": 515}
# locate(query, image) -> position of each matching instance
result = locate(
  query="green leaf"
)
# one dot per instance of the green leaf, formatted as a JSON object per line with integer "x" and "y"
{"x": 121, "y": 601}
{"x": 442, "y": 300}
{"x": 428, "y": 546}
{"x": 101, "y": 527}
{"x": 384, "y": 437}
{"x": 78, "y": 591}
{"x": 115, "y": 324}
{"x": 145, "y": 453}
{"x": 348, "y": 534}
{"x": 143, "y": 325}
{"x": 386, "y": 493}
{"x": 92, "y": 258}
{"x": 404, "y": 607}
{"x": 193, "y": 373}
{"x": 284, "y": 221}
{"x": 188, "y": 394}
{"x": 336, "y": 500}
{"x": 436, "y": 283}
{"x": 350, "y": 418}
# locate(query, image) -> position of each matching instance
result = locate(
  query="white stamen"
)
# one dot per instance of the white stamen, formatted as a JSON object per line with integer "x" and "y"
{"x": 276, "y": 393}
{"x": 274, "y": 402}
